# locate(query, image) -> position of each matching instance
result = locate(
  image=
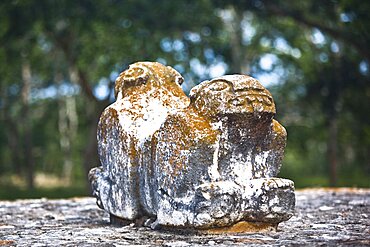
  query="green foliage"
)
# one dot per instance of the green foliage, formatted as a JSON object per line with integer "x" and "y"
{"x": 319, "y": 51}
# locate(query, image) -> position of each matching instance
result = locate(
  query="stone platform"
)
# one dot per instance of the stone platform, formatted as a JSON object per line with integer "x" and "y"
{"x": 324, "y": 217}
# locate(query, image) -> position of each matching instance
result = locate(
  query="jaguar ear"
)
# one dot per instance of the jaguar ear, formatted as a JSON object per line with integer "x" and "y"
{"x": 195, "y": 90}
{"x": 177, "y": 77}
{"x": 137, "y": 74}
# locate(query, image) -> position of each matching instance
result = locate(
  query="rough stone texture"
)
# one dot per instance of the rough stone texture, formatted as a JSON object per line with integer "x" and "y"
{"x": 210, "y": 161}
{"x": 216, "y": 159}
{"x": 145, "y": 93}
{"x": 323, "y": 217}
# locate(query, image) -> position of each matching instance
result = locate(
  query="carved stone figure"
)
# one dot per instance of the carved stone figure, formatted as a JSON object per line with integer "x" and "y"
{"x": 210, "y": 163}
{"x": 216, "y": 160}
{"x": 145, "y": 94}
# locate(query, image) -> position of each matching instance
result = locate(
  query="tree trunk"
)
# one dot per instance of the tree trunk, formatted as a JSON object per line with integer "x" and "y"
{"x": 13, "y": 137}
{"x": 332, "y": 150}
{"x": 27, "y": 124}
{"x": 240, "y": 58}
{"x": 94, "y": 107}
{"x": 93, "y": 110}
{"x": 236, "y": 41}
{"x": 68, "y": 124}
{"x": 13, "y": 141}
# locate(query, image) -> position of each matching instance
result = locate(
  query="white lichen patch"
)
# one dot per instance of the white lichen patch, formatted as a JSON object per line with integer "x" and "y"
{"x": 152, "y": 114}
{"x": 213, "y": 169}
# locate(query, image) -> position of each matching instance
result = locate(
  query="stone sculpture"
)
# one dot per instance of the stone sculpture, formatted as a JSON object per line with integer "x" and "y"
{"x": 205, "y": 163}
{"x": 145, "y": 93}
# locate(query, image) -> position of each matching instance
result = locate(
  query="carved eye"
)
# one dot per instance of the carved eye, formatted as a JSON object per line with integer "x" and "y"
{"x": 237, "y": 101}
{"x": 135, "y": 76}
{"x": 133, "y": 73}
{"x": 219, "y": 86}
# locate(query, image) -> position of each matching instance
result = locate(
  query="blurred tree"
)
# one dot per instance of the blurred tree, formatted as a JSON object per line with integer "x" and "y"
{"x": 84, "y": 43}
{"x": 323, "y": 50}
{"x": 17, "y": 55}
{"x": 59, "y": 60}
{"x": 339, "y": 46}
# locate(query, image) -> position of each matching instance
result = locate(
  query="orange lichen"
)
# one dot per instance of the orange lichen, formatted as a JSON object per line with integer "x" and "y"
{"x": 238, "y": 94}
{"x": 7, "y": 243}
{"x": 242, "y": 227}
{"x": 107, "y": 121}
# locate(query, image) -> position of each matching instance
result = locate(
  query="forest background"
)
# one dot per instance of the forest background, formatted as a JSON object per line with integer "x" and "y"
{"x": 59, "y": 61}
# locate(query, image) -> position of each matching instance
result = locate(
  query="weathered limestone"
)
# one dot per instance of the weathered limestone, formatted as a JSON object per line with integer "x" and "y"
{"x": 145, "y": 93}
{"x": 210, "y": 162}
{"x": 216, "y": 160}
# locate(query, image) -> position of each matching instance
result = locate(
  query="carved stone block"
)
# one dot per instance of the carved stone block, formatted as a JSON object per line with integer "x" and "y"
{"x": 210, "y": 161}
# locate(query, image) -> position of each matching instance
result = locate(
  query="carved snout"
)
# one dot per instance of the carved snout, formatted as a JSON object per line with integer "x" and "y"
{"x": 216, "y": 203}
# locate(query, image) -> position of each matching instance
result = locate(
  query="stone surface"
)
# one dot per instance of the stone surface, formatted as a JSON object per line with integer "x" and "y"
{"x": 323, "y": 217}
{"x": 216, "y": 159}
{"x": 210, "y": 161}
{"x": 145, "y": 93}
